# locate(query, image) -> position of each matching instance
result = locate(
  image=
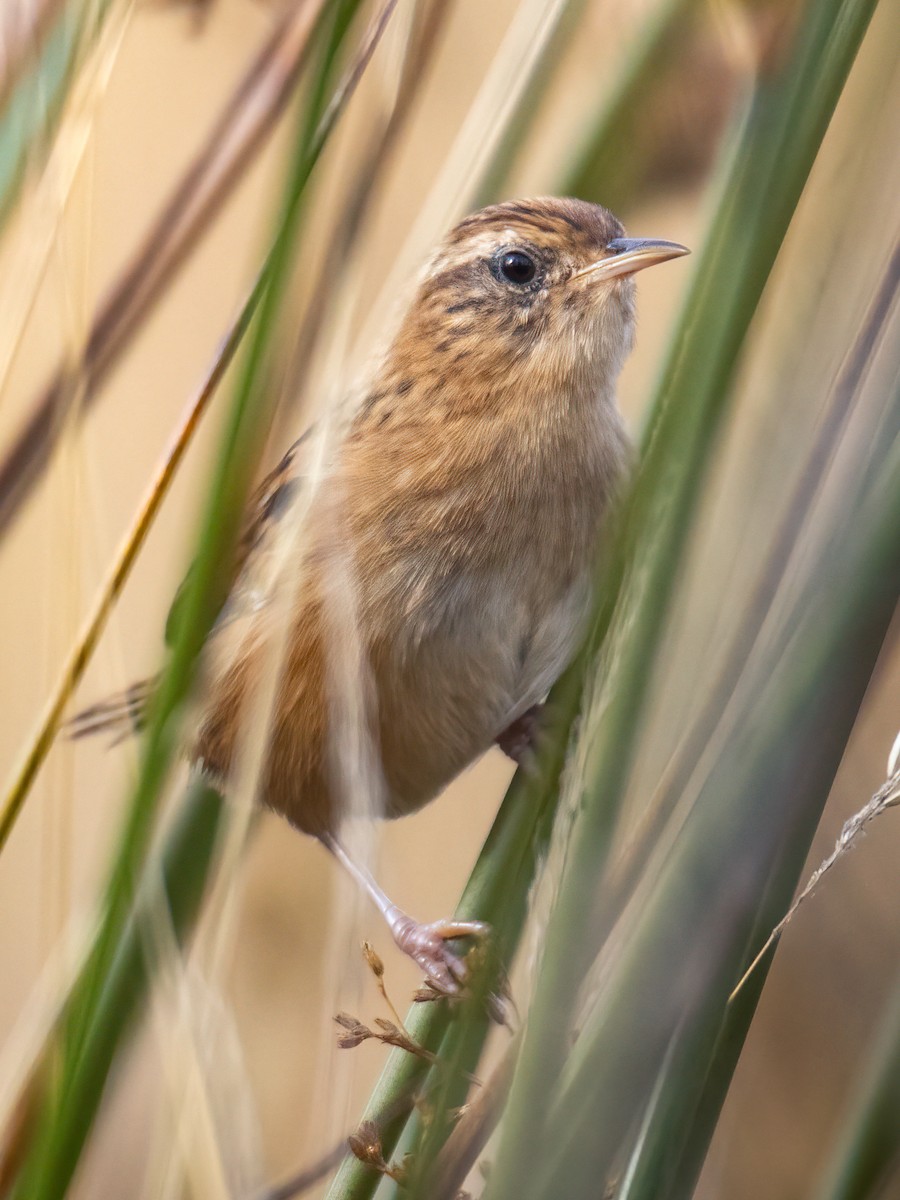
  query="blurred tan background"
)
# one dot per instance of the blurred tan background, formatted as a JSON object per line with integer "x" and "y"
{"x": 286, "y": 957}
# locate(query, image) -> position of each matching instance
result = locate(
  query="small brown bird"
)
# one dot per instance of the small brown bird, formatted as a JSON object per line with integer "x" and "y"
{"x": 460, "y": 514}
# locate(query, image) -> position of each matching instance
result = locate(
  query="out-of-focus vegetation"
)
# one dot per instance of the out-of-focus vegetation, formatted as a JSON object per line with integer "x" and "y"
{"x": 742, "y": 643}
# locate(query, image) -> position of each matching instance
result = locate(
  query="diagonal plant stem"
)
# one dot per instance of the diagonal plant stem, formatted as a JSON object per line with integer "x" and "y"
{"x": 792, "y": 109}
{"x": 496, "y": 177}
{"x": 497, "y": 891}
{"x": 745, "y": 843}
{"x": 25, "y": 774}
{"x": 30, "y": 114}
{"x": 80, "y": 655}
{"x": 83, "y": 1046}
{"x": 21, "y": 43}
{"x": 867, "y": 1157}
{"x": 689, "y": 1112}
{"x": 236, "y": 137}
{"x": 625, "y": 872}
{"x": 363, "y": 189}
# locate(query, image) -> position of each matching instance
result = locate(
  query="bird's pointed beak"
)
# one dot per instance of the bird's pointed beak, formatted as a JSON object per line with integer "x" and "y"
{"x": 627, "y": 255}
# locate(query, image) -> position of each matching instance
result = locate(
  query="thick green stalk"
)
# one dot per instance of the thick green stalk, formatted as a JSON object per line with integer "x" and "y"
{"x": 174, "y": 885}
{"x": 721, "y": 1058}
{"x": 868, "y": 1154}
{"x": 497, "y": 892}
{"x": 687, "y": 1102}
{"x": 85, "y": 1053}
{"x": 772, "y": 159}
{"x": 757, "y": 812}
{"x": 701, "y": 1061}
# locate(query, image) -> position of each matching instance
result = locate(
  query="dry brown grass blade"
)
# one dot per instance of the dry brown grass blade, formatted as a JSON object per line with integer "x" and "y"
{"x": 235, "y": 138}
{"x": 25, "y": 773}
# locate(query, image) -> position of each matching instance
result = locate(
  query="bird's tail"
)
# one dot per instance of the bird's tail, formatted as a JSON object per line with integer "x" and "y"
{"x": 120, "y": 715}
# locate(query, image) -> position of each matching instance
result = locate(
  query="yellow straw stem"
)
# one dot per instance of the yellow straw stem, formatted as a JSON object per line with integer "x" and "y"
{"x": 24, "y": 775}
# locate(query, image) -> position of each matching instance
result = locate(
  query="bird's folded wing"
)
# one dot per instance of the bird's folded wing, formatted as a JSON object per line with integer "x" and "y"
{"x": 267, "y": 505}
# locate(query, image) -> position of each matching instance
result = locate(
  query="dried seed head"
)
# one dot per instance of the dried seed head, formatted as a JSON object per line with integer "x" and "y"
{"x": 429, "y": 992}
{"x": 356, "y": 1032}
{"x": 376, "y": 966}
{"x": 365, "y": 1144}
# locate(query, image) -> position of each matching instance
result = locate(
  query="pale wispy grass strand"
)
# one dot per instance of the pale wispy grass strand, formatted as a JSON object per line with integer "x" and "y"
{"x": 887, "y": 796}
{"x": 40, "y": 221}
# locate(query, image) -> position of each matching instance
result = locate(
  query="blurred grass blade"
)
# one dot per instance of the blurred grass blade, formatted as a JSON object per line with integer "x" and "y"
{"x": 26, "y": 772}
{"x": 832, "y": 427}
{"x": 177, "y": 881}
{"x": 237, "y": 135}
{"x": 363, "y": 190}
{"x": 867, "y": 1157}
{"x": 83, "y": 1049}
{"x": 758, "y": 810}
{"x": 23, "y": 35}
{"x": 769, "y": 166}
{"x": 497, "y": 892}
{"x": 495, "y": 178}
{"x": 35, "y": 103}
{"x": 608, "y": 165}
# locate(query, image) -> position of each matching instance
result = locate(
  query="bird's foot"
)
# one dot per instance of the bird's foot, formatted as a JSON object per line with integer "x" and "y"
{"x": 427, "y": 946}
{"x": 519, "y": 740}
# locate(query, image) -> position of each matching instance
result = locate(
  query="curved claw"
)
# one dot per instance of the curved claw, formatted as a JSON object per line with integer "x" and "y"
{"x": 427, "y": 946}
{"x": 520, "y": 739}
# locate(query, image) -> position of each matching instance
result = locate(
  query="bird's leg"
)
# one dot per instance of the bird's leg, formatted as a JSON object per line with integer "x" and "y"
{"x": 426, "y": 945}
{"x": 519, "y": 740}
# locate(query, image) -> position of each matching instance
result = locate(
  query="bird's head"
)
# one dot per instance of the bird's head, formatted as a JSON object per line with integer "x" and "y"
{"x": 530, "y": 293}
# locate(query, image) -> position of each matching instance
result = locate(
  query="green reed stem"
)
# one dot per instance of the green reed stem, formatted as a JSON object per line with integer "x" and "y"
{"x": 760, "y": 189}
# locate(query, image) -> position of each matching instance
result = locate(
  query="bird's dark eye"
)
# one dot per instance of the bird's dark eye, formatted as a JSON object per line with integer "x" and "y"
{"x": 516, "y": 266}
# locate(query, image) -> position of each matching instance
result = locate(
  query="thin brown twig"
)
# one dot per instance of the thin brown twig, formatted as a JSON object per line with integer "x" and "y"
{"x": 309, "y": 1176}
{"x": 376, "y": 966}
{"x": 235, "y": 138}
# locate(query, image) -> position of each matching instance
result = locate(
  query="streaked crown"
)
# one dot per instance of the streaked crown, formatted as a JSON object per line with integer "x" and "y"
{"x": 529, "y": 293}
